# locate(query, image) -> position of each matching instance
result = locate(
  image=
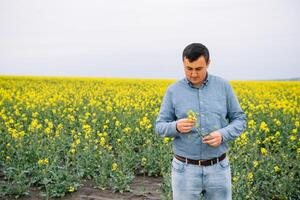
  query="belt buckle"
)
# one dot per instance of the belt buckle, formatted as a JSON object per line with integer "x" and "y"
{"x": 199, "y": 162}
{"x": 211, "y": 162}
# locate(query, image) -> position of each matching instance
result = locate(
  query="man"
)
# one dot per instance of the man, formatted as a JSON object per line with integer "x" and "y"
{"x": 200, "y": 165}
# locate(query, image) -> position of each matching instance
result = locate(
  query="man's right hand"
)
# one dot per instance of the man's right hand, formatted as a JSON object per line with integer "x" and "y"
{"x": 185, "y": 125}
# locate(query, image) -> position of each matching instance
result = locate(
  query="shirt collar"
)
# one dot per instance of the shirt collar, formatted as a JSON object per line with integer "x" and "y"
{"x": 207, "y": 78}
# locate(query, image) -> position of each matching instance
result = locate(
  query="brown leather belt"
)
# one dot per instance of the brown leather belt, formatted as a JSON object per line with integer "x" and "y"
{"x": 201, "y": 162}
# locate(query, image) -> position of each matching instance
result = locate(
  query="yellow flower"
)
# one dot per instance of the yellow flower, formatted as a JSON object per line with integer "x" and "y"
{"x": 50, "y": 125}
{"x": 251, "y": 124}
{"x": 145, "y": 122}
{"x": 77, "y": 141}
{"x": 277, "y": 169}
{"x": 264, "y": 127}
{"x": 47, "y": 130}
{"x": 294, "y": 130}
{"x": 117, "y": 123}
{"x": 102, "y": 141}
{"x": 192, "y": 115}
{"x": 73, "y": 151}
{"x": 71, "y": 189}
{"x": 263, "y": 151}
{"x": 105, "y": 126}
{"x": 127, "y": 130}
{"x": 293, "y": 138}
{"x": 277, "y": 122}
{"x": 235, "y": 179}
{"x": 87, "y": 130}
{"x": 250, "y": 176}
{"x": 144, "y": 161}
{"x": 255, "y": 163}
{"x": 60, "y": 126}
{"x": 109, "y": 147}
{"x": 35, "y": 114}
{"x": 114, "y": 167}
{"x": 109, "y": 108}
{"x": 43, "y": 161}
{"x": 166, "y": 139}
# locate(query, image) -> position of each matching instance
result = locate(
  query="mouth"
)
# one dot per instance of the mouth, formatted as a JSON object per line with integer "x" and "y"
{"x": 195, "y": 80}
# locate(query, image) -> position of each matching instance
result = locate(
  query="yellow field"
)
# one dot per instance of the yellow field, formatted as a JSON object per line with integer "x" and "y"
{"x": 55, "y": 132}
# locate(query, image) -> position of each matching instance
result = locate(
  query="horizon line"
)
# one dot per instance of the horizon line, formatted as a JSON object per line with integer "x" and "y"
{"x": 98, "y": 77}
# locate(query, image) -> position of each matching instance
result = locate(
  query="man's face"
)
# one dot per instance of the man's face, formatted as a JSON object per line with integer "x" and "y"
{"x": 196, "y": 71}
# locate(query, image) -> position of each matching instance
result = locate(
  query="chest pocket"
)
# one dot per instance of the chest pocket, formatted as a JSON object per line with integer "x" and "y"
{"x": 183, "y": 105}
{"x": 215, "y": 113}
{"x": 216, "y": 104}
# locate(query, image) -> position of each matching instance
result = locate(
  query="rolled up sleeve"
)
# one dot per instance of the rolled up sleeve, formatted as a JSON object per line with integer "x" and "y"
{"x": 165, "y": 124}
{"x": 236, "y": 116}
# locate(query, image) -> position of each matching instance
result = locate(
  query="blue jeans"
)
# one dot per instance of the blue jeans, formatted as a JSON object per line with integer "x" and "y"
{"x": 190, "y": 182}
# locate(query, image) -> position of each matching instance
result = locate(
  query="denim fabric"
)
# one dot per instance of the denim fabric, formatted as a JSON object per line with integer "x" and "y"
{"x": 218, "y": 110}
{"x": 193, "y": 182}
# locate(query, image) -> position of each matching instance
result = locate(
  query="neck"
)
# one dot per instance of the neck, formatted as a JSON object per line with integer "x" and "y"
{"x": 197, "y": 85}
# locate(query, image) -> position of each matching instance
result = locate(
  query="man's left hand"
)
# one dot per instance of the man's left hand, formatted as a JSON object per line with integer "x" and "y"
{"x": 213, "y": 139}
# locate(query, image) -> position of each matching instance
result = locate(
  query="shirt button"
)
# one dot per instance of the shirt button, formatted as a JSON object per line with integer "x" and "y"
{"x": 202, "y": 115}
{"x": 202, "y": 128}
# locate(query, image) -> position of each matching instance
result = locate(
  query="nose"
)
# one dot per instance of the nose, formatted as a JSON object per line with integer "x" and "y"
{"x": 194, "y": 74}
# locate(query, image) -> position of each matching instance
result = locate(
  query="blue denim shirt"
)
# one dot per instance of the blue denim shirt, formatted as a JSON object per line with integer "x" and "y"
{"x": 218, "y": 110}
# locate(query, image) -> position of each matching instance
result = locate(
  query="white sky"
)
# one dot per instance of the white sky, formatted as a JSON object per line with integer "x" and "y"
{"x": 256, "y": 39}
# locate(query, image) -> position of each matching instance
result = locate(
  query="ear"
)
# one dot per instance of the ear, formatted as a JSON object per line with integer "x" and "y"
{"x": 207, "y": 65}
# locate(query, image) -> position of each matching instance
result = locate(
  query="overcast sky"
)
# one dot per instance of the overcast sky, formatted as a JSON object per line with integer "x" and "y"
{"x": 257, "y": 39}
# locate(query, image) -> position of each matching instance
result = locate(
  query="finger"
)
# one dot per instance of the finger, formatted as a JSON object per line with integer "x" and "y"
{"x": 214, "y": 144}
{"x": 217, "y": 142}
{"x": 188, "y": 124}
{"x": 208, "y": 138}
{"x": 190, "y": 121}
{"x": 210, "y": 141}
{"x": 187, "y": 120}
{"x": 186, "y": 129}
{"x": 185, "y": 125}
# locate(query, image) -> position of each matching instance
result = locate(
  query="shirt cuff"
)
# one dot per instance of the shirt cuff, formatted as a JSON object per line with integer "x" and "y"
{"x": 174, "y": 128}
{"x": 224, "y": 134}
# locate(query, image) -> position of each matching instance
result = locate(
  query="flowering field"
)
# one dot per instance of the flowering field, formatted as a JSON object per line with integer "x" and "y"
{"x": 56, "y": 132}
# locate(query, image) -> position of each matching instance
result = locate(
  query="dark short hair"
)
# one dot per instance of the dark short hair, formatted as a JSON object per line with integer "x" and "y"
{"x": 195, "y": 50}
